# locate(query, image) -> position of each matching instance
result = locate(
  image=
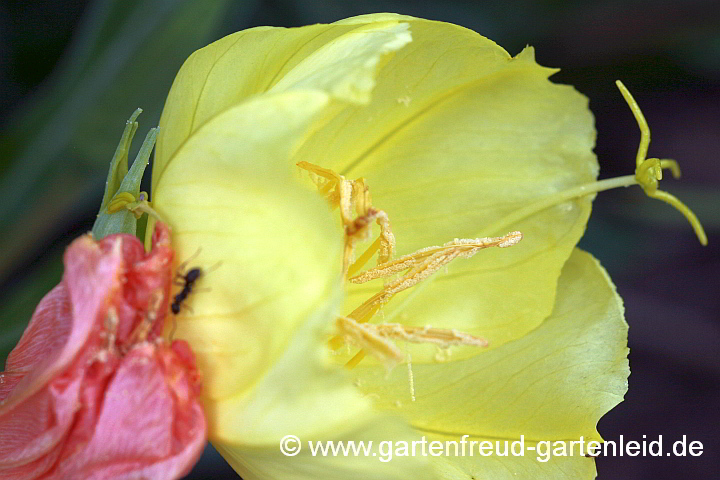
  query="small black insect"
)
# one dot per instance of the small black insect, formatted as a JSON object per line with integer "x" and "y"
{"x": 187, "y": 282}
{"x": 189, "y": 279}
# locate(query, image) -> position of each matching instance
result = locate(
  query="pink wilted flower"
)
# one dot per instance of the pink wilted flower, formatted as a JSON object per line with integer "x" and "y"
{"x": 92, "y": 391}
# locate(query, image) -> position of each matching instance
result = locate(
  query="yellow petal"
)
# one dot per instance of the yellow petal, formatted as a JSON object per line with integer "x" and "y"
{"x": 265, "y": 462}
{"x": 338, "y": 59}
{"x": 346, "y": 66}
{"x": 553, "y": 384}
{"x": 306, "y": 395}
{"x": 272, "y": 241}
{"x": 459, "y": 135}
{"x": 531, "y": 465}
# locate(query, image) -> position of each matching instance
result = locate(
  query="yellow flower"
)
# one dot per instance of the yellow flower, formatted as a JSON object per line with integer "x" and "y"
{"x": 454, "y": 138}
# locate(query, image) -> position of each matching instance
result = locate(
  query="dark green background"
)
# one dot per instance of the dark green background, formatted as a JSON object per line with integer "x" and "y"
{"x": 73, "y": 71}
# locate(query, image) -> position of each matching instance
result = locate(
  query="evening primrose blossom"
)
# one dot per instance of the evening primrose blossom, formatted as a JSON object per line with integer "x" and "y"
{"x": 428, "y": 143}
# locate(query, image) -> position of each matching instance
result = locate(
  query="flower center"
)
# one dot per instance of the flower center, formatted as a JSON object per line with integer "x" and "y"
{"x": 409, "y": 270}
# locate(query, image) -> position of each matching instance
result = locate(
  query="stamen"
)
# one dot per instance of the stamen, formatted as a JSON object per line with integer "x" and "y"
{"x": 387, "y": 238}
{"x": 359, "y": 230}
{"x": 127, "y": 201}
{"x": 141, "y": 331}
{"x": 411, "y": 378}
{"x": 119, "y": 201}
{"x": 111, "y": 323}
{"x": 462, "y": 247}
{"x": 375, "y": 339}
{"x": 366, "y": 337}
{"x": 353, "y": 362}
{"x": 354, "y": 329}
{"x": 110, "y": 334}
{"x": 423, "y": 264}
{"x": 441, "y": 337}
{"x": 365, "y": 257}
{"x": 347, "y": 195}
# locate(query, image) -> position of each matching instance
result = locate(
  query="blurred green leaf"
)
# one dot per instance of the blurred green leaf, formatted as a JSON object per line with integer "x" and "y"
{"x": 125, "y": 55}
{"x": 19, "y": 301}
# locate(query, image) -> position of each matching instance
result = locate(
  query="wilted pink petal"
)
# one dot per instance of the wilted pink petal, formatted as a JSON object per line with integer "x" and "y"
{"x": 149, "y": 425}
{"x": 91, "y": 390}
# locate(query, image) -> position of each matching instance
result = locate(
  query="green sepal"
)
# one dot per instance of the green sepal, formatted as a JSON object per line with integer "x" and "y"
{"x": 122, "y": 188}
{"x": 119, "y": 162}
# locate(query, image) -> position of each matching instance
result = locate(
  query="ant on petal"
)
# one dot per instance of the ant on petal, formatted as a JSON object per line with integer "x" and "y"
{"x": 187, "y": 281}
